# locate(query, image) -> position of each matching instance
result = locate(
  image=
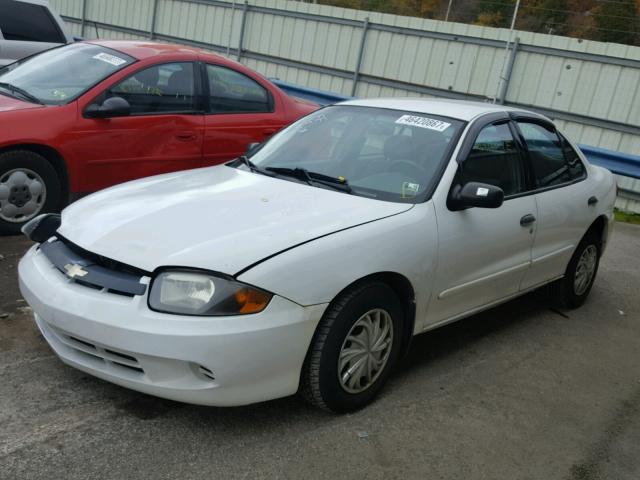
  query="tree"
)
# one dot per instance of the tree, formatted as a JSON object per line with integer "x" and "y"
{"x": 495, "y": 14}
{"x": 606, "y": 20}
{"x": 546, "y": 16}
{"x": 617, "y": 21}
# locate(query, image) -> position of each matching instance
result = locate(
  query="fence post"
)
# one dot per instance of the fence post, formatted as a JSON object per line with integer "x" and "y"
{"x": 152, "y": 31}
{"x": 233, "y": 18}
{"x": 245, "y": 9}
{"x": 504, "y": 88}
{"x": 84, "y": 17}
{"x": 363, "y": 41}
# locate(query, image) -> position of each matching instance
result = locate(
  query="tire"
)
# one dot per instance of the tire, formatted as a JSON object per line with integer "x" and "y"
{"x": 29, "y": 186}
{"x": 569, "y": 292}
{"x": 340, "y": 330}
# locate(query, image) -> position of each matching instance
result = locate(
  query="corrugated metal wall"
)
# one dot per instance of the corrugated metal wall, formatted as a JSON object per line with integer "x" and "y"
{"x": 596, "y": 100}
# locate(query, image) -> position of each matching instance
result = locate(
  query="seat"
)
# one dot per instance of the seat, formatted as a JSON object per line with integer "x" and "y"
{"x": 180, "y": 83}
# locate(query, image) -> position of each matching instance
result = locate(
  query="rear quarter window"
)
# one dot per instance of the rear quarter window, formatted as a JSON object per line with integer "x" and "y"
{"x": 577, "y": 171}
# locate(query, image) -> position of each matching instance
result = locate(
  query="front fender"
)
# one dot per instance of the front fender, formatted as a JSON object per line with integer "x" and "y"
{"x": 317, "y": 271}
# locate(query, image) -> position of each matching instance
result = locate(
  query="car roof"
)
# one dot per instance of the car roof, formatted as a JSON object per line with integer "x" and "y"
{"x": 141, "y": 50}
{"x": 459, "y": 109}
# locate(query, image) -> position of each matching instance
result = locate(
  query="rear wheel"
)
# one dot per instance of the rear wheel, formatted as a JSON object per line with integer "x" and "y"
{"x": 29, "y": 186}
{"x": 354, "y": 348}
{"x": 572, "y": 290}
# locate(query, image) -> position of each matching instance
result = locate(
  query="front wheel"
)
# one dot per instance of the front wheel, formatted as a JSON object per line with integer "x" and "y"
{"x": 572, "y": 290}
{"x": 29, "y": 186}
{"x": 354, "y": 349}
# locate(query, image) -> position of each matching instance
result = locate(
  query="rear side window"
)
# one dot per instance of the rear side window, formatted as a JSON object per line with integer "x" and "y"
{"x": 233, "y": 92}
{"x": 494, "y": 159}
{"x": 28, "y": 22}
{"x": 554, "y": 161}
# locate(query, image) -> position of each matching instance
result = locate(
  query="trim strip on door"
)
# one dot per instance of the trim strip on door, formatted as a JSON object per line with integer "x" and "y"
{"x": 555, "y": 253}
{"x": 459, "y": 288}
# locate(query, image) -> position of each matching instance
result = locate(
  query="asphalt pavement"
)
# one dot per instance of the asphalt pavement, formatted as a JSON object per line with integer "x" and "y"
{"x": 522, "y": 391}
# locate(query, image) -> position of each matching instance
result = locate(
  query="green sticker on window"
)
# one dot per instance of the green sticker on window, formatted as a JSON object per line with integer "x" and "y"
{"x": 409, "y": 189}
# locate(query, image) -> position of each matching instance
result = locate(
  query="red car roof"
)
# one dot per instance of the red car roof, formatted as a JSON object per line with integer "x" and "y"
{"x": 141, "y": 50}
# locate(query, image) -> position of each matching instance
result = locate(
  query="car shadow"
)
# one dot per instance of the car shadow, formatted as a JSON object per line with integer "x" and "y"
{"x": 450, "y": 339}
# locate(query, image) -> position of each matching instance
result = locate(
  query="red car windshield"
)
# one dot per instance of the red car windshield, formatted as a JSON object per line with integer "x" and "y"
{"x": 60, "y": 75}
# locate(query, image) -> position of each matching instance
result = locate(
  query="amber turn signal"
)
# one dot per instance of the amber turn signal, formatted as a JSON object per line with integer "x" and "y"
{"x": 251, "y": 300}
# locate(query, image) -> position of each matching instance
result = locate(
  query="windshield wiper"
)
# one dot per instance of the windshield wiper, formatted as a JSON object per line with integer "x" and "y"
{"x": 23, "y": 93}
{"x": 252, "y": 166}
{"x": 337, "y": 183}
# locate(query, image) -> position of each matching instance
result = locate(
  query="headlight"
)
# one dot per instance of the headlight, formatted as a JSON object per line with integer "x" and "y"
{"x": 196, "y": 293}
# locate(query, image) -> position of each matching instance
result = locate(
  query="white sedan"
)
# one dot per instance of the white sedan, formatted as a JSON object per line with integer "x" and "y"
{"x": 309, "y": 264}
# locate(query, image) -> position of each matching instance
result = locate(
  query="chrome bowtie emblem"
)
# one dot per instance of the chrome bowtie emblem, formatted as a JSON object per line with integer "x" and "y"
{"x": 74, "y": 270}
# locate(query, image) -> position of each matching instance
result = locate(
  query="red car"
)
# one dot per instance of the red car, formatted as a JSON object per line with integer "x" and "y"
{"x": 88, "y": 115}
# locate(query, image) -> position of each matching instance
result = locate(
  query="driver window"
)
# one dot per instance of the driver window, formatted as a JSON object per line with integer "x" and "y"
{"x": 166, "y": 88}
{"x": 495, "y": 160}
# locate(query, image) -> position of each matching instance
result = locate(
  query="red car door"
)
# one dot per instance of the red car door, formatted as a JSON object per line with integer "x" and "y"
{"x": 239, "y": 111}
{"x": 163, "y": 131}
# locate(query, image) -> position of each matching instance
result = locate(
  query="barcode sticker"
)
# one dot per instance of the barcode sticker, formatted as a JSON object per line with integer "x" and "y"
{"x": 423, "y": 122}
{"x": 112, "y": 59}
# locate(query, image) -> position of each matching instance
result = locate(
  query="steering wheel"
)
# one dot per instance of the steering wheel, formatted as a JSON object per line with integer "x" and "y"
{"x": 408, "y": 167}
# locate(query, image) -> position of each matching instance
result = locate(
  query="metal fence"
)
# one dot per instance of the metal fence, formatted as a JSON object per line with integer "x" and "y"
{"x": 591, "y": 89}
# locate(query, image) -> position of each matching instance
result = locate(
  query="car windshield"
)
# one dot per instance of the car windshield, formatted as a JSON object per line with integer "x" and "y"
{"x": 60, "y": 75}
{"x": 378, "y": 153}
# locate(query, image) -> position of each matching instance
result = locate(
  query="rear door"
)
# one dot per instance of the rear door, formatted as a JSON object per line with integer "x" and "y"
{"x": 562, "y": 197}
{"x": 484, "y": 253}
{"x": 163, "y": 132}
{"x": 239, "y": 111}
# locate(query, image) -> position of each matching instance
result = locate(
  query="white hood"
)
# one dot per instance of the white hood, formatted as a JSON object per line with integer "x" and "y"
{"x": 218, "y": 218}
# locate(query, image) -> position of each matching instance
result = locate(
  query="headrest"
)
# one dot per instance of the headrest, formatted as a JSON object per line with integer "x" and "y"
{"x": 148, "y": 77}
{"x": 180, "y": 82}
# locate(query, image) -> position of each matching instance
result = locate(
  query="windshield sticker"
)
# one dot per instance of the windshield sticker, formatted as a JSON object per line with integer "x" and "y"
{"x": 59, "y": 94}
{"x": 316, "y": 119}
{"x": 112, "y": 59}
{"x": 410, "y": 189}
{"x": 423, "y": 122}
{"x": 482, "y": 192}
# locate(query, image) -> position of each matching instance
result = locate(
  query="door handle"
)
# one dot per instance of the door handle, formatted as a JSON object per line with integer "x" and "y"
{"x": 186, "y": 136}
{"x": 592, "y": 200}
{"x": 527, "y": 220}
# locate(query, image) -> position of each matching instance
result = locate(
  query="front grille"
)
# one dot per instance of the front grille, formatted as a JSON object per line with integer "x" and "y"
{"x": 96, "y": 353}
{"x": 93, "y": 271}
{"x": 105, "y": 262}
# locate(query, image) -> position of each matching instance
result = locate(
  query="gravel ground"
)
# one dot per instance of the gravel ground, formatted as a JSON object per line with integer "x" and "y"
{"x": 519, "y": 392}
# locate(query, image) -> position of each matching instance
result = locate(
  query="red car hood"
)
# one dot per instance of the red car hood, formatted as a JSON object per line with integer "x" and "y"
{"x": 8, "y": 104}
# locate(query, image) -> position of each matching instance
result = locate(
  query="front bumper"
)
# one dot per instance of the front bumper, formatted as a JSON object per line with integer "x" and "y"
{"x": 221, "y": 361}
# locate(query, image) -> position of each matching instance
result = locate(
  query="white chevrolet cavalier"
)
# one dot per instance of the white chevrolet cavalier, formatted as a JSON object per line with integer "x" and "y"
{"x": 310, "y": 264}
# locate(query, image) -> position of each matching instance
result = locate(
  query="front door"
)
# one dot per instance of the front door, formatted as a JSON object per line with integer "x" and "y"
{"x": 240, "y": 112}
{"x": 163, "y": 132}
{"x": 483, "y": 253}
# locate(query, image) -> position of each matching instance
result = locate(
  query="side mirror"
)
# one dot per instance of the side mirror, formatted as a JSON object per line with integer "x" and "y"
{"x": 252, "y": 148}
{"x": 111, "y": 107}
{"x": 475, "y": 194}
